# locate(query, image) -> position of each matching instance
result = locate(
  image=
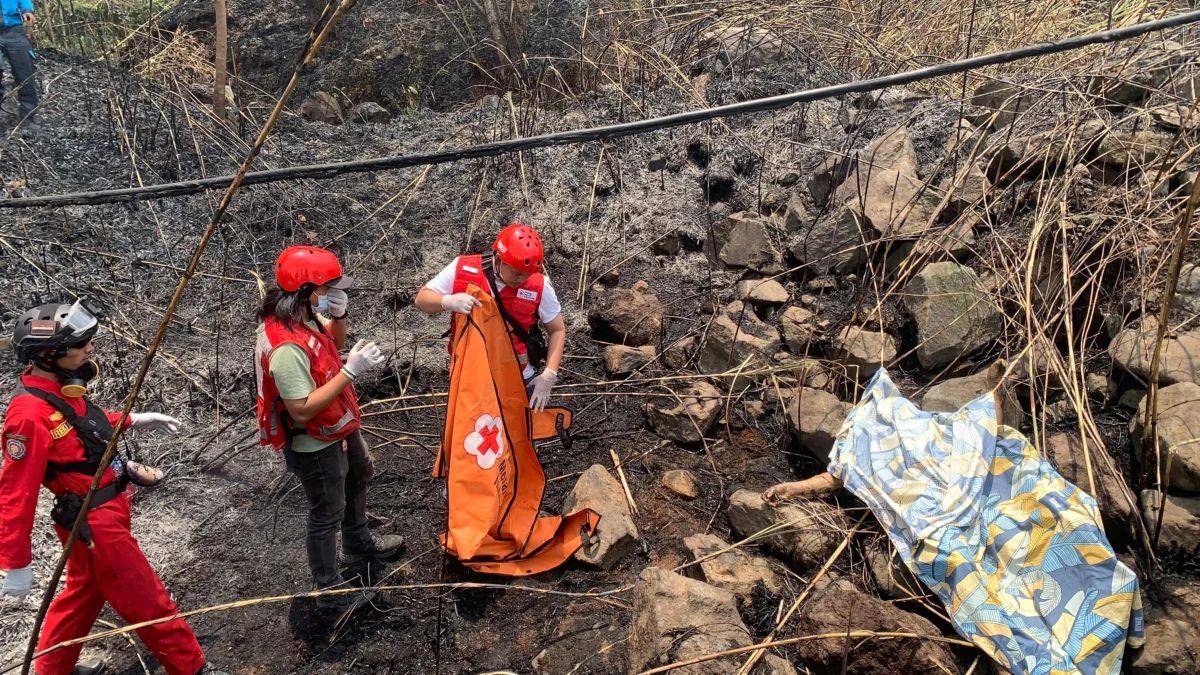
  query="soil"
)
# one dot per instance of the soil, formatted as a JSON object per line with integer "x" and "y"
{"x": 236, "y": 531}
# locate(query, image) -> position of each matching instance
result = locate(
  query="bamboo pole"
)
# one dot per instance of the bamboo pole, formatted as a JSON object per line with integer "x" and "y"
{"x": 222, "y": 57}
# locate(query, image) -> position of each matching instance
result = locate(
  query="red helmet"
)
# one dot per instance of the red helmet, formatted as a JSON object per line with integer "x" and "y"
{"x": 299, "y": 265}
{"x": 520, "y": 247}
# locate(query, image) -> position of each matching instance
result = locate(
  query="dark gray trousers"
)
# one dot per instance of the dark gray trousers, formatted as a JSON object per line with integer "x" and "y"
{"x": 17, "y": 51}
{"x": 335, "y": 482}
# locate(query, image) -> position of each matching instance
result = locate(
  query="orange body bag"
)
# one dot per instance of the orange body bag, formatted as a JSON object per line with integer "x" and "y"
{"x": 495, "y": 481}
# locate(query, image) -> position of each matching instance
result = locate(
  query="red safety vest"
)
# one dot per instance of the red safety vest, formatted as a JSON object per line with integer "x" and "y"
{"x": 335, "y": 422}
{"x": 520, "y": 303}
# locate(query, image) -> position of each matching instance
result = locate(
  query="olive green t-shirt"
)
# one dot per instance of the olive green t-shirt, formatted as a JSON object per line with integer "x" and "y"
{"x": 292, "y": 372}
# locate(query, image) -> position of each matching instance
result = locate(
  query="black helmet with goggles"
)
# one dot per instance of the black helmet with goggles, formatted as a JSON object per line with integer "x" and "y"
{"x": 45, "y": 333}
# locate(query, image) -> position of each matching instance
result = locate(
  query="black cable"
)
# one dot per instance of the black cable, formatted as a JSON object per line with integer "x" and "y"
{"x": 325, "y": 171}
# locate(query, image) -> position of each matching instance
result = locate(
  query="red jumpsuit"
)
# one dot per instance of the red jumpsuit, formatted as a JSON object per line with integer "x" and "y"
{"x": 114, "y": 571}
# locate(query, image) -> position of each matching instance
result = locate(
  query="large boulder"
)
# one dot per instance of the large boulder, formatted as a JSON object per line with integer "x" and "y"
{"x": 1172, "y": 648}
{"x": 967, "y": 188}
{"x": 798, "y": 326}
{"x": 616, "y": 534}
{"x": 1178, "y": 429}
{"x": 1037, "y": 156}
{"x": 582, "y": 637}
{"x": 686, "y": 422}
{"x": 892, "y": 577}
{"x": 322, "y": 107}
{"x": 950, "y": 395}
{"x": 1132, "y": 149}
{"x": 893, "y": 151}
{"x": 1133, "y": 350}
{"x": 629, "y": 316}
{"x": 955, "y": 241}
{"x": 863, "y": 351}
{"x": 622, "y": 360}
{"x": 1000, "y": 100}
{"x": 1135, "y": 76}
{"x": 735, "y": 337}
{"x": 1065, "y": 453}
{"x": 746, "y": 46}
{"x": 676, "y": 618}
{"x": 838, "y": 609}
{"x": 955, "y": 315}
{"x": 828, "y": 175}
{"x": 752, "y": 244}
{"x": 837, "y": 242}
{"x": 806, "y": 534}
{"x": 1181, "y": 521}
{"x": 732, "y": 569}
{"x": 894, "y": 203}
{"x": 815, "y": 417}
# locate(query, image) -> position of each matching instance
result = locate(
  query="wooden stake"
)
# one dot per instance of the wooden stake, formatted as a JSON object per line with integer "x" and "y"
{"x": 621, "y": 472}
{"x": 222, "y": 56}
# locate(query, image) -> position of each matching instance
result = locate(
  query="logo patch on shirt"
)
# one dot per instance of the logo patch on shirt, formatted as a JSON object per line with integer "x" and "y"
{"x": 526, "y": 294}
{"x": 60, "y": 430}
{"x": 14, "y": 449}
{"x": 55, "y": 416}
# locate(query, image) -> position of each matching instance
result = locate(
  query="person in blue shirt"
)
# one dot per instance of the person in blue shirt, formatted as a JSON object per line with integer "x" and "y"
{"x": 14, "y": 44}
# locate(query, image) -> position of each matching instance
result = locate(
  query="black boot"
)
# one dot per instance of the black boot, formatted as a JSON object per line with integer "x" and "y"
{"x": 90, "y": 667}
{"x": 206, "y": 669}
{"x": 385, "y": 548}
{"x": 343, "y": 602}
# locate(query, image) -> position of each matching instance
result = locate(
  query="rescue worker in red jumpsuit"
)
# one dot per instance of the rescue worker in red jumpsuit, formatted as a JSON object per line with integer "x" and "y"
{"x": 308, "y": 409}
{"x": 526, "y": 298}
{"x": 54, "y": 436}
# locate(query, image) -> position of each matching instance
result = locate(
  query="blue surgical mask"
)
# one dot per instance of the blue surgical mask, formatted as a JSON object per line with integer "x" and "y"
{"x": 322, "y": 302}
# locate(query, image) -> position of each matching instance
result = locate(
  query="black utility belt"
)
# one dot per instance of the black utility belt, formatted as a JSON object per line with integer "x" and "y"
{"x": 67, "y": 507}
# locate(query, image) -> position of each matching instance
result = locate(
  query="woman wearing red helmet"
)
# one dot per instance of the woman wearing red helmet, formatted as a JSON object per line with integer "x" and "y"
{"x": 526, "y": 297}
{"x": 307, "y": 408}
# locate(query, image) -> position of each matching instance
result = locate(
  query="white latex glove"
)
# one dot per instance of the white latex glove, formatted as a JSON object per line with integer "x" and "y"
{"x": 362, "y": 358}
{"x": 542, "y": 384}
{"x": 338, "y": 301}
{"x": 18, "y": 582}
{"x": 460, "y": 303}
{"x": 153, "y": 422}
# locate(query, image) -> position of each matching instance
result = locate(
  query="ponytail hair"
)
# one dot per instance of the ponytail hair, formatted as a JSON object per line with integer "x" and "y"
{"x": 290, "y": 307}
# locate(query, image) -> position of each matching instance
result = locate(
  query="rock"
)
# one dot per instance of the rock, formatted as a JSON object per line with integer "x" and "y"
{"x": 1172, "y": 117}
{"x": 668, "y": 245}
{"x": 836, "y": 242}
{"x": 892, "y": 151}
{"x": 805, "y": 372}
{"x": 809, "y": 534}
{"x": 1065, "y": 453}
{"x": 954, "y": 315}
{"x": 682, "y": 482}
{"x": 1172, "y": 648}
{"x": 828, "y": 175}
{"x": 718, "y": 233}
{"x": 738, "y": 337}
{"x": 1150, "y": 68}
{"x": 734, "y": 570}
{"x": 1008, "y": 160}
{"x": 1097, "y": 385}
{"x": 1001, "y": 99}
{"x": 322, "y": 107}
{"x": 837, "y": 609}
{"x": 788, "y": 179}
{"x": 751, "y": 244}
{"x": 747, "y": 47}
{"x": 815, "y": 417}
{"x": 1132, "y": 399}
{"x": 755, "y": 409}
{"x": 582, "y": 637}
{"x": 615, "y": 535}
{"x": 893, "y": 203}
{"x": 963, "y": 138}
{"x": 676, "y": 618}
{"x": 1178, "y": 429}
{"x": 1132, "y": 149}
{"x": 954, "y": 242}
{"x": 950, "y": 395}
{"x": 676, "y": 356}
{"x": 627, "y": 316}
{"x": 371, "y": 112}
{"x": 892, "y": 578}
{"x": 798, "y": 325}
{"x": 1133, "y": 350}
{"x": 622, "y": 360}
{"x": 822, "y": 284}
{"x": 1036, "y": 368}
{"x": 761, "y": 292}
{"x": 1187, "y": 294}
{"x": 701, "y": 404}
{"x": 795, "y": 216}
{"x": 808, "y": 301}
{"x": 863, "y": 351}
{"x": 967, "y": 189}
{"x": 1181, "y": 522}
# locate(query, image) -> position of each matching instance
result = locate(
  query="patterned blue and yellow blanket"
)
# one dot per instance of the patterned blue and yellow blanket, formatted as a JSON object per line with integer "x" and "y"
{"x": 1015, "y": 552}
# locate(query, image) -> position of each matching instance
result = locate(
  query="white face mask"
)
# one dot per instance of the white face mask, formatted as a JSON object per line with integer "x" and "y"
{"x": 322, "y": 302}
